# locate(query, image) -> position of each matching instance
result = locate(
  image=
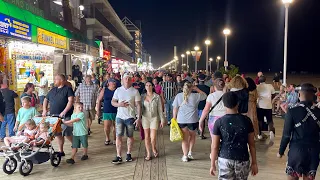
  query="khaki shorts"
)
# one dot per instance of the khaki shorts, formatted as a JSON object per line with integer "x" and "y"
{"x": 90, "y": 114}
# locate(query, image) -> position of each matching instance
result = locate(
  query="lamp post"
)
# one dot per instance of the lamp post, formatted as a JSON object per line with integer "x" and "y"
{"x": 196, "y": 53}
{"x": 176, "y": 62}
{"x": 182, "y": 56}
{"x": 207, "y": 42}
{"x": 226, "y": 33}
{"x": 218, "y": 62}
{"x": 286, "y": 5}
{"x": 188, "y": 53}
{"x": 210, "y": 59}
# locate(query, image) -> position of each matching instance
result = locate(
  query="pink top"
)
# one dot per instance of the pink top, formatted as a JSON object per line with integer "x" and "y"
{"x": 158, "y": 89}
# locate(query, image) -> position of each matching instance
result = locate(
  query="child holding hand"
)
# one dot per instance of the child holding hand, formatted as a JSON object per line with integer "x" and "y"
{"x": 80, "y": 132}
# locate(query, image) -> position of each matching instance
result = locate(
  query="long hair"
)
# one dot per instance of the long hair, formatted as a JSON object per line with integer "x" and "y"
{"x": 186, "y": 91}
{"x": 251, "y": 84}
{"x": 28, "y": 86}
{"x": 238, "y": 82}
{"x": 153, "y": 89}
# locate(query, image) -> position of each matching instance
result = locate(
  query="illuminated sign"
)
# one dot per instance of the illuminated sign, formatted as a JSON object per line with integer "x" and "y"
{"x": 14, "y": 28}
{"x": 51, "y": 39}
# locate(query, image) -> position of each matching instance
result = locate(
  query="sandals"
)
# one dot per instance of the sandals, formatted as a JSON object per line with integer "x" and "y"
{"x": 107, "y": 143}
{"x": 148, "y": 158}
{"x": 155, "y": 154}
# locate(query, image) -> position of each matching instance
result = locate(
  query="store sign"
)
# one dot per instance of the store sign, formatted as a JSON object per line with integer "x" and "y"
{"x": 106, "y": 55}
{"x": 51, "y": 39}
{"x": 14, "y": 28}
{"x": 26, "y": 6}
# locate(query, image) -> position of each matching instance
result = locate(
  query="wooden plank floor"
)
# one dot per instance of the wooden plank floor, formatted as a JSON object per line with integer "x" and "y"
{"x": 167, "y": 166}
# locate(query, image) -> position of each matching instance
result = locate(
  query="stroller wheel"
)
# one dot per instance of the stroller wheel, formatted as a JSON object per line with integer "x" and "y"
{"x": 25, "y": 167}
{"x": 55, "y": 159}
{"x": 9, "y": 166}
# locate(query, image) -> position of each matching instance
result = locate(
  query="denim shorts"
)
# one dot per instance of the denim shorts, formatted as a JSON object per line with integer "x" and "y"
{"x": 41, "y": 98}
{"x": 124, "y": 124}
{"x": 191, "y": 126}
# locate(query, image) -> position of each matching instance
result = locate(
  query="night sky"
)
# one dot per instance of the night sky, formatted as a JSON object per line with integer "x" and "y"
{"x": 256, "y": 42}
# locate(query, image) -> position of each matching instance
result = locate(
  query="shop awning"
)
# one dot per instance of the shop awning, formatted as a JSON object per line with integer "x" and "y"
{"x": 26, "y": 16}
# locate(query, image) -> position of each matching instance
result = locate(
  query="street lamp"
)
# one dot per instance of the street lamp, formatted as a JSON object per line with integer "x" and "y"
{"x": 207, "y": 42}
{"x": 218, "y": 61}
{"x": 286, "y": 5}
{"x": 182, "y": 56}
{"x": 210, "y": 59}
{"x": 188, "y": 53}
{"x": 196, "y": 54}
{"x": 226, "y": 32}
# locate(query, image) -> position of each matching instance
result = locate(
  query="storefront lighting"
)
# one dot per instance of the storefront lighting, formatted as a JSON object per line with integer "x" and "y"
{"x": 58, "y": 2}
{"x": 81, "y": 7}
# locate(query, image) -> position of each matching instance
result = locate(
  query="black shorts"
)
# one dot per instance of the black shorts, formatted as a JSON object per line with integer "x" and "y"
{"x": 302, "y": 161}
{"x": 191, "y": 126}
{"x": 261, "y": 113}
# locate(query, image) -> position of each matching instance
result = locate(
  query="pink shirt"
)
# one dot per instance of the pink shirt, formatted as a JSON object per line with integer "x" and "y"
{"x": 158, "y": 89}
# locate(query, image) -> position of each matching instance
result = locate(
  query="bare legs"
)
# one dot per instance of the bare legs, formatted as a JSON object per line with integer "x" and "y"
{"x": 150, "y": 137}
{"x": 130, "y": 141}
{"x": 60, "y": 140}
{"x": 107, "y": 128}
{"x": 189, "y": 139}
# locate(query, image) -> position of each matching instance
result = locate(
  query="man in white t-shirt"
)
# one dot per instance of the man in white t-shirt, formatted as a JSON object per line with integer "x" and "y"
{"x": 43, "y": 87}
{"x": 127, "y": 100}
{"x": 264, "y": 110}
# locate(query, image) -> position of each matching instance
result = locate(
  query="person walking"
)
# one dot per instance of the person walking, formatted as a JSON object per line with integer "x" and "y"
{"x": 301, "y": 130}
{"x": 264, "y": 110}
{"x": 72, "y": 82}
{"x": 28, "y": 91}
{"x": 61, "y": 99}
{"x": 9, "y": 114}
{"x": 202, "y": 104}
{"x": 87, "y": 93}
{"x": 232, "y": 135}
{"x": 43, "y": 87}
{"x": 240, "y": 86}
{"x": 252, "y": 105}
{"x": 185, "y": 110}
{"x": 152, "y": 118}
{"x": 169, "y": 91}
{"x": 127, "y": 99}
{"x": 109, "y": 112}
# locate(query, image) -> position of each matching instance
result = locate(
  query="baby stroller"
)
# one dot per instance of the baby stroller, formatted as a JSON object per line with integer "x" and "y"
{"x": 26, "y": 155}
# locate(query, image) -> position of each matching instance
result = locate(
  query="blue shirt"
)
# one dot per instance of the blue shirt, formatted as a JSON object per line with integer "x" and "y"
{"x": 292, "y": 98}
{"x": 107, "y": 98}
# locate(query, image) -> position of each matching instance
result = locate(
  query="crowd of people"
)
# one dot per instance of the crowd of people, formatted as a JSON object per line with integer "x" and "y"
{"x": 237, "y": 111}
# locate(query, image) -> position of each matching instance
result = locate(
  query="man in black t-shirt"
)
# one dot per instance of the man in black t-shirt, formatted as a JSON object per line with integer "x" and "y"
{"x": 231, "y": 135}
{"x": 61, "y": 99}
{"x": 137, "y": 84}
{"x": 202, "y": 104}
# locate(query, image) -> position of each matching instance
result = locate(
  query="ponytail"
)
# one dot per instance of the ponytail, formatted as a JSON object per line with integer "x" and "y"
{"x": 186, "y": 91}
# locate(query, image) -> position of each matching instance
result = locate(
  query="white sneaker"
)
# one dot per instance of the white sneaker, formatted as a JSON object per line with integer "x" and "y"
{"x": 260, "y": 137}
{"x": 271, "y": 136}
{"x": 184, "y": 159}
{"x": 190, "y": 156}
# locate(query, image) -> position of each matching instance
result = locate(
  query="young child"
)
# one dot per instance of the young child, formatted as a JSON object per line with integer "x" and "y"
{"x": 80, "y": 132}
{"x": 25, "y": 113}
{"x": 235, "y": 132}
{"x": 24, "y": 136}
{"x": 42, "y": 135}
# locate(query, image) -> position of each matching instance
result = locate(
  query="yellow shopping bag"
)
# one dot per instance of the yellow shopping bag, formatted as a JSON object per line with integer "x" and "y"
{"x": 175, "y": 131}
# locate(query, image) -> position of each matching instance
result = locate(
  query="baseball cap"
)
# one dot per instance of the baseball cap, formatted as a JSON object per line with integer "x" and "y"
{"x": 126, "y": 75}
{"x": 112, "y": 80}
{"x": 202, "y": 77}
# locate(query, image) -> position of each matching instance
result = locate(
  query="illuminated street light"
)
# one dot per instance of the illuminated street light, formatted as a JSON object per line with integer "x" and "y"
{"x": 226, "y": 32}
{"x": 207, "y": 42}
{"x": 196, "y": 48}
{"x": 188, "y": 53}
{"x": 196, "y": 53}
{"x": 81, "y": 7}
{"x": 218, "y": 62}
{"x": 285, "y": 54}
{"x": 210, "y": 59}
{"x": 182, "y": 56}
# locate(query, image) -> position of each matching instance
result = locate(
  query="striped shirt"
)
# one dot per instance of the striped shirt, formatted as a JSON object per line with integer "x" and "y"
{"x": 88, "y": 95}
{"x": 169, "y": 90}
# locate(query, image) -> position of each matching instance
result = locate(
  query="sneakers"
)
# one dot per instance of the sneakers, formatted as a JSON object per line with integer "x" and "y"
{"x": 260, "y": 137}
{"x": 129, "y": 158}
{"x": 190, "y": 156}
{"x": 62, "y": 154}
{"x": 84, "y": 157}
{"x": 184, "y": 159}
{"x": 117, "y": 160}
{"x": 70, "y": 161}
{"x": 271, "y": 136}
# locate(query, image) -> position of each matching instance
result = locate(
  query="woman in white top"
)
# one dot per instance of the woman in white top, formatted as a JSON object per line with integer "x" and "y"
{"x": 219, "y": 110}
{"x": 185, "y": 110}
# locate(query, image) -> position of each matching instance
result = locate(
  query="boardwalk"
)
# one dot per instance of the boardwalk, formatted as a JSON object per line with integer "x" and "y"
{"x": 167, "y": 166}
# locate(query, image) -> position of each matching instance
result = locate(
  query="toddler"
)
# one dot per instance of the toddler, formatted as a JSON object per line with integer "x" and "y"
{"x": 80, "y": 132}
{"x": 42, "y": 135}
{"x": 24, "y": 136}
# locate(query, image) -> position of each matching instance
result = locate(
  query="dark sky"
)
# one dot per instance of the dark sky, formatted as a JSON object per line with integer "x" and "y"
{"x": 257, "y": 27}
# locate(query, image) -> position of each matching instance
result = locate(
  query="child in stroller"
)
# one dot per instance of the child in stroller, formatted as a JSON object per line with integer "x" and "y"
{"x": 42, "y": 134}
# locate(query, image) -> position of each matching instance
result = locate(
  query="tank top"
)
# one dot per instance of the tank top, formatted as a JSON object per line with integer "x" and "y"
{"x": 107, "y": 98}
